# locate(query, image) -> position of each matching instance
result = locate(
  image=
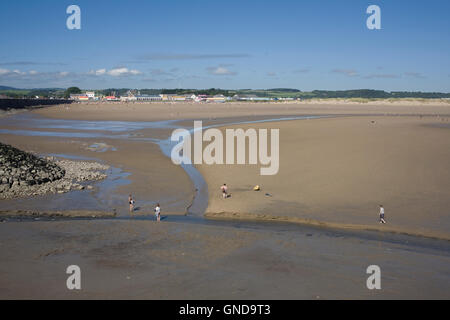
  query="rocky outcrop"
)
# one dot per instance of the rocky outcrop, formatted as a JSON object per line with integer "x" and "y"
{"x": 19, "y": 168}
{"x": 24, "y": 174}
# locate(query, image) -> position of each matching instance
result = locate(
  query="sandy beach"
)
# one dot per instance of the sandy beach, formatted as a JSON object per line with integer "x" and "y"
{"x": 334, "y": 172}
{"x": 340, "y": 170}
{"x": 168, "y": 111}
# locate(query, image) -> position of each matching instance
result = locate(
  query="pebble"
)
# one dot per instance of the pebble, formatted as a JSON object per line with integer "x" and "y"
{"x": 23, "y": 174}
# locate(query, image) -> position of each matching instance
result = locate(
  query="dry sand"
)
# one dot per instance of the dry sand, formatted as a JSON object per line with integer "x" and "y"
{"x": 339, "y": 170}
{"x": 167, "y": 111}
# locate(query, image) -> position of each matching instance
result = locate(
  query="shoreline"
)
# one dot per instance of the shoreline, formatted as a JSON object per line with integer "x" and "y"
{"x": 233, "y": 216}
{"x": 26, "y": 215}
{"x": 189, "y": 111}
{"x": 17, "y": 214}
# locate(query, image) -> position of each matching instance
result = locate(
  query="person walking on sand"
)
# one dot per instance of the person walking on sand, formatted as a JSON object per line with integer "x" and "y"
{"x": 158, "y": 212}
{"x": 131, "y": 203}
{"x": 224, "y": 189}
{"x": 382, "y": 214}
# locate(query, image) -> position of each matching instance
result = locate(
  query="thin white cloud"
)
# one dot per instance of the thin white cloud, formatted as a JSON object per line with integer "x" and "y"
{"x": 17, "y": 74}
{"x": 347, "y": 72}
{"x": 220, "y": 71}
{"x": 98, "y": 72}
{"x": 415, "y": 75}
{"x": 382, "y": 76}
{"x": 115, "y": 72}
{"x": 11, "y": 73}
{"x": 60, "y": 78}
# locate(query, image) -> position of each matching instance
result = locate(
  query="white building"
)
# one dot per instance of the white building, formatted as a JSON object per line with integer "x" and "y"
{"x": 127, "y": 98}
{"x": 90, "y": 94}
{"x": 149, "y": 97}
{"x": 251, "y": 97}
{"x": 216, "y": 98}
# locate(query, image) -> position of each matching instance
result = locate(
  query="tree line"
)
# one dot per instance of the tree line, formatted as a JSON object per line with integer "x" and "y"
{"x": 274, "y": 93}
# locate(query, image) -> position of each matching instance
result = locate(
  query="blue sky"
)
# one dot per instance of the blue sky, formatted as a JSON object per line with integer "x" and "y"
{"x": 228, "y": 44}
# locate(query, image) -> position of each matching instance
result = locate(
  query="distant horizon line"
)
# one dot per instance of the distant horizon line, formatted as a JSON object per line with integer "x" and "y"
{"x": 224, "y": 89}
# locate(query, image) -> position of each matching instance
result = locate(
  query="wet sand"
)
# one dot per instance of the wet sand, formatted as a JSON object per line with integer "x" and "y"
{"x": 126, "y": 259}
{"x": 152, "y": 177}
{"x": 331, "y": 173}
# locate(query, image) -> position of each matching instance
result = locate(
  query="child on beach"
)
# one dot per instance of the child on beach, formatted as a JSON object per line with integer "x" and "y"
{"x": 382, "y": 214}
{"x": 158, "y": 212}
{"x": 224, "y": 189}
{"x": 131, "y": 203}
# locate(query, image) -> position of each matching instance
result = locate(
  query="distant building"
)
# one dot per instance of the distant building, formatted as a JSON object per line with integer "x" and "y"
{"x": 200, "y": 98}
{"x": 148, "y": 97}
{"x": 251, "y": 97}
{"x": 76, "y": 96}
{"x": 175, "y": 97}
{"x": 127, "y": 98}
{"x": 90, "y": 94}
{"x": 165, "y": 97}
{"x": 111, "y": 98}
{"x": 216, "y": 98}
{"x": 178, "y": 98}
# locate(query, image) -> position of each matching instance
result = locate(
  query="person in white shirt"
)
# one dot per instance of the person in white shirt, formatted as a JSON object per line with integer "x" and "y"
{"x": 158, "y": 212}
{"x": 382, "y": 214}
